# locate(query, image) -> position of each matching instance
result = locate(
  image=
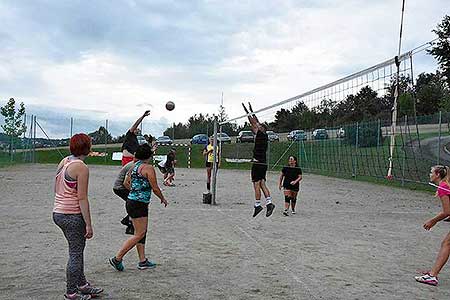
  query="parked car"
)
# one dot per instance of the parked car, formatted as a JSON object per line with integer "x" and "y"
{"x": 245, "y": 137}
{"x": 320, "y": 134}
{"x": 273, "y": 137}
{"x": 223, "y": 138}
{"x": 297, "y": 135}
{"x": 340, "y": 133}
{"x": 201, "y": 139}
{"x": 164, "y": 140}
{"x": 141, "y": 140}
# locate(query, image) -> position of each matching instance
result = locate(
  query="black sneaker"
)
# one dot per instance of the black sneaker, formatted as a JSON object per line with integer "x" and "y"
{"x": 130, "y": 230}
{"x": 125, "y": 221}
{"x": 447, "y": 220}
{"x": 286, "y": 212}
{"x": 270, "y": 207}
{"x": 258, "y": 209}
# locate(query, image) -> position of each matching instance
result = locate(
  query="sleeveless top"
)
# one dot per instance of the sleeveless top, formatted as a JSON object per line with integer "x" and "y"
{"x": 140, "y": 187}
{"x": 66, "y": 190}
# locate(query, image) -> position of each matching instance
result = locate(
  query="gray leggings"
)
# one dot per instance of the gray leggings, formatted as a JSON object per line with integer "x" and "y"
{"x": 74, "y": 229}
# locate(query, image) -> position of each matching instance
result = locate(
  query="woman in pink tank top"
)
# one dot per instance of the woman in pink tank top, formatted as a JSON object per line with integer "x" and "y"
{"x": 71, "y": 213}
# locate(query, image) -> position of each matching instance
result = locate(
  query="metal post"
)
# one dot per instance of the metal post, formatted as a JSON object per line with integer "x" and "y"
{"x": 213, "y": 179}
{"x": 173, "y": 132}
{"x": 394, "y": 118}
{"x": 404, "y": 153}
{"x": 439, "y": 140}
{"x": 106, "y": 138}
{"x": 71, "y": 127}
{"x": 34, "y": 140}
{"x": 355, "y": 164}
{"x": 378, "y": 134}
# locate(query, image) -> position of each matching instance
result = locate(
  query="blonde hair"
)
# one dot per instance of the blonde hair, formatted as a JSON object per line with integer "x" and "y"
{"x": 443, "y": 172}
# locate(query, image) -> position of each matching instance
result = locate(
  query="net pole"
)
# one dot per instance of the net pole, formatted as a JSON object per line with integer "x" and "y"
{"x": 34, "y": 139}
{"x": 214, "y": 174}
{"x": 106, "y": 137}
{"x": 439, "y": 140}
{"x": 396, "y": 94}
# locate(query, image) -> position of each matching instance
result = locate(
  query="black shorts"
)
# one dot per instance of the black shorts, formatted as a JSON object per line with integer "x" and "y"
{"x": 209, "y": 164}
{"x": 259, "y": 172}
{"x": 290, "y": 187}
{"x": 137, "y": 209}
{"x": 162, "y": 169}
{"x": 122, "y": 193}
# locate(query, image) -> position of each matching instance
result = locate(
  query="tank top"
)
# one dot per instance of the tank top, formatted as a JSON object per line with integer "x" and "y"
{"x": 66, "y": 191}
{"x": 140, "y": 187}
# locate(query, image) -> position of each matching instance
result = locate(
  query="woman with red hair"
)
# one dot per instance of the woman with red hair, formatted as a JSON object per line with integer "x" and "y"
{"x": 71, "y": 213}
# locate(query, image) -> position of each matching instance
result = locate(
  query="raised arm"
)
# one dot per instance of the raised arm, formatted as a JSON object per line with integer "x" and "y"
{"x": 138, "y": 121}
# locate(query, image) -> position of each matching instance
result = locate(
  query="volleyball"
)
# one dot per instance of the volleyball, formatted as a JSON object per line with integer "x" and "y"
{"x": 170, "y": 105}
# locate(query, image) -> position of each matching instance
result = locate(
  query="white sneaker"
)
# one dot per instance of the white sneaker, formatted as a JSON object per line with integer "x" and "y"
{"x": 293, "y": 212}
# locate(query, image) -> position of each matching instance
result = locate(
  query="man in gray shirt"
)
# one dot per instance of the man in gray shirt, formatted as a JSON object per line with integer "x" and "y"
{"x": 120, "y": 190}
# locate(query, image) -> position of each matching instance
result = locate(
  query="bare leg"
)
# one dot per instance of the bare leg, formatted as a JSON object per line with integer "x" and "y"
{"x": 141, "y": 251}
{"x": 442, "y": 256}
{"x": 140, "y": 228}
{"x": 286, "y": 204}
{"x": 264, "y": 188}
{"x": 293, "y": 199}
{"x": 257, "y": 188}
{"x": 208, "y": 178}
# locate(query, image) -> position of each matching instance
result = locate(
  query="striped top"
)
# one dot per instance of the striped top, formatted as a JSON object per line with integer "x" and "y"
{"x": 66, "y": 190}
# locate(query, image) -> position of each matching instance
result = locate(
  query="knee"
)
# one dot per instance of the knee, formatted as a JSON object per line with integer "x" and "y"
{"x": 140, "y": 235}
{"x": 287, "y": 199}
{"x": 293, "y": 200}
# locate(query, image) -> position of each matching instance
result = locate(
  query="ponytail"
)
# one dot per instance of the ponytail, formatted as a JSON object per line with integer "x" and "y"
{"x": 447, "y": 176}
{"x": 443, "y": 172}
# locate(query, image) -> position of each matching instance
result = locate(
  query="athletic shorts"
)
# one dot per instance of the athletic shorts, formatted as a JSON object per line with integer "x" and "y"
{"x": 122, "y": 193}
{"x": 209, "y": 164}
{"x": 162, "y": 169}
{"x": 126, "y": 159}
{"x": 289, "y": 187}
{"x": 170, "y": 170}
{"x": 259, "y": 172}
{"x": 137, "y": 209}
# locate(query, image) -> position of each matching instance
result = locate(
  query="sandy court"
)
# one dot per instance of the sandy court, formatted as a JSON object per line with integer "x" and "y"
{"x": 349, "y": 240}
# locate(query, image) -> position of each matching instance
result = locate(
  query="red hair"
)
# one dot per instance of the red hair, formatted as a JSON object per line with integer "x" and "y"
{"x": 80, "y": 144}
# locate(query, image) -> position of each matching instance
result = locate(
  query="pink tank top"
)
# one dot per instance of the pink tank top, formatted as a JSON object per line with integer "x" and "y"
{"x": 66, "y": 191}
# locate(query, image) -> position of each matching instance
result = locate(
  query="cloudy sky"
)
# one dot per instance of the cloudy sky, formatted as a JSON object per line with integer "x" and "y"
{"x": 97, "y": 60}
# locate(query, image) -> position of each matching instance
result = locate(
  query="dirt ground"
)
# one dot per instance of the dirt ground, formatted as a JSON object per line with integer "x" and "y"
{"x": 349, "y": 240}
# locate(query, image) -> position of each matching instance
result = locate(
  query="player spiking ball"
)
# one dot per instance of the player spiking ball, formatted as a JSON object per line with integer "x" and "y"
{"x": 259, "y": 167}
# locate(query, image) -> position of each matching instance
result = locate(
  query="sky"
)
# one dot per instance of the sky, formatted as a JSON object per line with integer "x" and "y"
{"x": 98, "y": 60}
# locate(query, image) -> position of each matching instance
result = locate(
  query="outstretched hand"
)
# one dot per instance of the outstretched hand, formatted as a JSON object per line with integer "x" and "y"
{"x": 147, "y": 113}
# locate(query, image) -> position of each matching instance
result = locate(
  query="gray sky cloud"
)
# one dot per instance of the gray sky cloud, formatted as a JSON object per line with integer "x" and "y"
{"x": 114, "y": 59}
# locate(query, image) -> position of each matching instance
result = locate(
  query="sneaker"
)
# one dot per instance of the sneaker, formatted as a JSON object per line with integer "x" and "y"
{"x": 88, "y": 289}
{"x": 293, "y": 211}
{"x": 129, "y": 230}
{"x": 427, "y": 279}
{"x": 147, "y": 264}
{"x": 447, "y": 220}
{"x": 258, "y": 209}
{"x": 286, "y": 212}
{"x": 77, "y": 296}
{"x": 125, "y": 221}
{"x": 270, "y": 207}
{"x": 118, "y": 265}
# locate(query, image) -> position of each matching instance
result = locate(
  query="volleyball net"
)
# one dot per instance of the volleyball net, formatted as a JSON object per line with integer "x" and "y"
{"x": 355, "y": 126}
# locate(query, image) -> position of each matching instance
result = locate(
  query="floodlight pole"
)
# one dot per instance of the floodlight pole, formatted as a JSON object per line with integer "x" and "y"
{"x": 213, "y": 179}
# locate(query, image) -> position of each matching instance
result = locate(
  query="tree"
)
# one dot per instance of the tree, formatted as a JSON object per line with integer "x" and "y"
{"x": 431, "y": 91}
{"x": 441, "y": 49}
{"x": 14, "y": 124}
{"x": 100, "y": 136}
